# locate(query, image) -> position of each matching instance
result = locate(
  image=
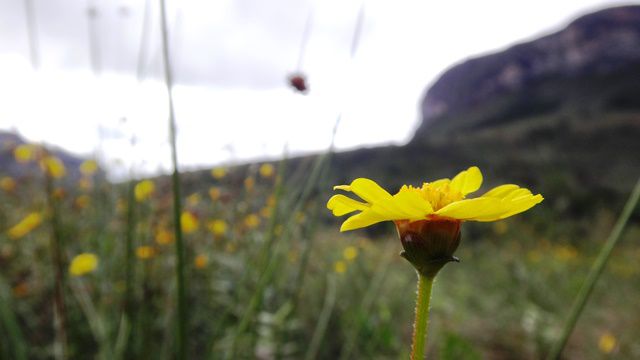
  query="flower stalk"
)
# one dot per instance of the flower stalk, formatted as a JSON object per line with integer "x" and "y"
{"x": 421, "y": 322}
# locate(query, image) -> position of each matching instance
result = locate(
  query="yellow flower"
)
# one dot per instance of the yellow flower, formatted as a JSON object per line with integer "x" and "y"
{"x": 145, "y": 252}
{"x": 441, "y": 199}
{"x": 218, "y": 173}
{"x": 7, "y": 184}
{"x": 144, "y": 189}
{"x": 214, "y": 193}
{"x": 88, "y": 167}
{"x": 189, "y": 222}
{"x": 265, "y": 212}
{"x": 53, "y": 166}
{"x": 193, "y": 200}
{"x": 349, "y": 253}
{"x": 164, "y": 237}
{"x": 251, "y": 221}
{"x": 266, "y": 170}
{"x": 201, "y": 261}
{"x": 83, "y": 264}
{"x": 25, "y": 226}
{"x": 217, "y": 227}
{"x": 428, "y": 218}
{"x": 607, "y": 343}
{"x": 340, "y": 267}
{"x": 25, "y": 153}
{"x": 249, "y": 183}
{"x": 82, "y": 201}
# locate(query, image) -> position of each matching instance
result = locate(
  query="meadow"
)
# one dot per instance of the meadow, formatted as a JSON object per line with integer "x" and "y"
{"x": 268, "y": 275}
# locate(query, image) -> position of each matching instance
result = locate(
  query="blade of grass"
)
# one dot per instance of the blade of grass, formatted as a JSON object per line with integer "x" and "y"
{"x": 181, "y": 324}
{"x": 323, "y": 319}
{"x": 15, "y": 341}
{"x": 595, "y": 272}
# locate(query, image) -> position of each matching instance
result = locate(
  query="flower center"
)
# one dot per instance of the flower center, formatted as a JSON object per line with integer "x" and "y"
{"x": 439, "y": 195}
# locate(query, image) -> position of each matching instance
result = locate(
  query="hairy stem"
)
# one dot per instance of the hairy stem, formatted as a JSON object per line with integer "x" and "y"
{"x": 421, "y": 323}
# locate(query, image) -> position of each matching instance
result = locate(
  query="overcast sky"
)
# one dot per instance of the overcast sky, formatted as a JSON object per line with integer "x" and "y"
{"x": 231, "y": 60}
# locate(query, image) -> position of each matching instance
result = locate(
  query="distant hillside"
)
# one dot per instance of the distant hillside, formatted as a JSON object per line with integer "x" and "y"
{"x": 589, "y": 68}
{"x": 8, "y": 165}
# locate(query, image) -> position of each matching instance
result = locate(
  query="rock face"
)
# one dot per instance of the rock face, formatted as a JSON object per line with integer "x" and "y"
{"x": 592, "y": 48}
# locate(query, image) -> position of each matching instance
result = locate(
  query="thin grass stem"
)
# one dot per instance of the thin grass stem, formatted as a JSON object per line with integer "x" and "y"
{"x": 594, "y": 274}
{"x": 181, "y": 323}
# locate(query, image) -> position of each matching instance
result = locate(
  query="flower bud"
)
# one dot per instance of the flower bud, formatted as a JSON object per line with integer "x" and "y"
{"x": 429, "y": 244}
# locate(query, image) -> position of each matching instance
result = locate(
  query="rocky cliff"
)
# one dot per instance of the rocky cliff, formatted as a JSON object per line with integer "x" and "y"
{"x": 592, "y": 64}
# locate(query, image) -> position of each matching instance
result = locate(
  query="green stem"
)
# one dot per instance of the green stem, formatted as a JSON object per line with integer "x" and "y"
{"x": 421, "y": 323}
{"x": 57, "y": 258}
{"x": 175, "y": 180}
{"x": 595, "y": 272}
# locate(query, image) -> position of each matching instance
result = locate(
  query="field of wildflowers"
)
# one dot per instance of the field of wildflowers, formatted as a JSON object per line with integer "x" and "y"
{"x": 88, "y": 271}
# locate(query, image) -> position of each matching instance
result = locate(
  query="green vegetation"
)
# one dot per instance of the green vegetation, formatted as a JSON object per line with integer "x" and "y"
{"x": 273, "y": 278}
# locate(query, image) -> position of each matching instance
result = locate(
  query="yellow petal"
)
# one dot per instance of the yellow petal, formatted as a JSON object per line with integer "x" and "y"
{"x": 467, "y": 181}
{"x": 501, "y": 191}
{"x": 470, "y": 209}
{"x": 340, "y": 205}
{"x": 522, "y": 204}
{"x": 369, "y": 190}
{"x": 412, "y": 204}
{"x": 439, "y": 183}
{"x": 342, "y": 187}
{"x": 361, "y": 220}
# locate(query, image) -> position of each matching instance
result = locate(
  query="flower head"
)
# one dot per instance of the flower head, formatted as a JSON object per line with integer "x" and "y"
{"x": 25, "y": 226}
{"x": 83, "y": 264}
{"x": 428, "y": 218}
{"x": 144, "y": 189}
{"x": 440, "y": 199}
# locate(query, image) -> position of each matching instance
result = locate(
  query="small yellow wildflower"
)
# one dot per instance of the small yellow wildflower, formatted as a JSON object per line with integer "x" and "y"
{"x": 201, "y": 261}
{"x": 349, "y": 253}
{"x": 565, "y": 252}
{"x": 189, "y": 222}
{"x": 25, "y": 153}
{"x": 428, "y": 218}
{"x": 25, "y": 226}
{"x": 145, "y": 252}
{"x": 7, "y": 184}
{"x": 53, "y": 166}
{"x": 607, "y": 343}
{"x": 340, "y": 267}
{"x": 83, "y": 264}
{"x": 82, "y": 201}
{"x": 266, "y": 170}
{"x": 218, "y": 173}
{"x": 265, "y": 212}
{"x": 214, "y": 193}
{"x": 271, "y": 201}
{"x": 217, "y": 227}
{"x": 193, "y": 200}
{"x": 249, "y": 183}
{"x": 88, "y": 167}
{"x": 251, "y": 221}
{"x": 164, "y": 237}
{"x": 144, "y": 189}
